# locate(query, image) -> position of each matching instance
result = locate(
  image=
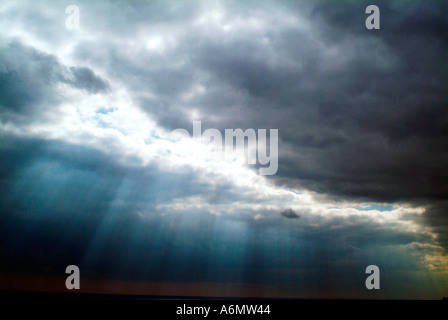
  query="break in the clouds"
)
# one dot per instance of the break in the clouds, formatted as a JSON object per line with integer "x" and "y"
{"x": 90, "y": 175}
{"x": 28, "y": 81}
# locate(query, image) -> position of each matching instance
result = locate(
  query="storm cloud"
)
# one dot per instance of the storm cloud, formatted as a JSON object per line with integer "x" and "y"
{"x": 90, "y": 176}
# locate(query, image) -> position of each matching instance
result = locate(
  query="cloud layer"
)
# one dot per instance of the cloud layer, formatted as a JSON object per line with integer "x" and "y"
{"x": 90, "y": 175}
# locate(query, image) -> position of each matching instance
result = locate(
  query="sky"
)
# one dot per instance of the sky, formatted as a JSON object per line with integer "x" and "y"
{"x": 90, "y": 174}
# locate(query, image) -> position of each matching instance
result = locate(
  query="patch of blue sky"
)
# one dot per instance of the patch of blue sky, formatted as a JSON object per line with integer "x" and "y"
{"x": 376, "y": 207}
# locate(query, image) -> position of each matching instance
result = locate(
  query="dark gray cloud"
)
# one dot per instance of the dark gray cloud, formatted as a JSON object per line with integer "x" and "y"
{"x": 28, "y": 79}
{"x": 26, "y": 76}
{"x": 84, "y": 78}
{"x": 361, "y": 112}
{"x": 290, "y": 214}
